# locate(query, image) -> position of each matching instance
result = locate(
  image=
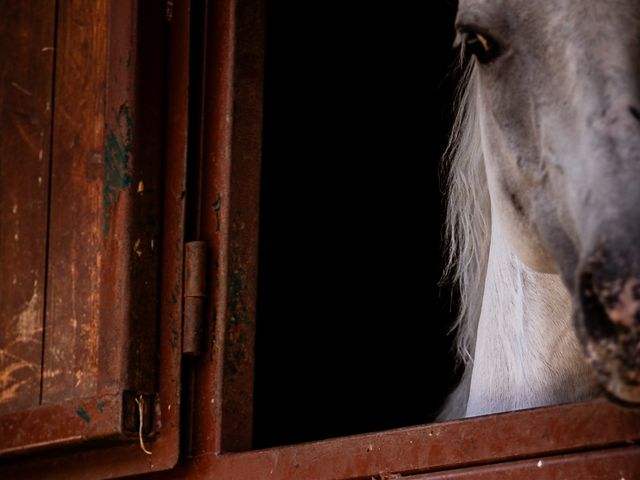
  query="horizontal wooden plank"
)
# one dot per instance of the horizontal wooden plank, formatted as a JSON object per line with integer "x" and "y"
{"x": 63, "y": 424}
{"x": 476, "y": 441}
{"x": 613, "y": 464}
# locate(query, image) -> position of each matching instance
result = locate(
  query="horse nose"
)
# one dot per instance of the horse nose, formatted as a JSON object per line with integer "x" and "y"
{"x": 608, "y": 322}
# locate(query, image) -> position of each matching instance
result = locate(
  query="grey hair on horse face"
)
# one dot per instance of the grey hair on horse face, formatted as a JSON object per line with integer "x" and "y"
{"x": 544, "y": 203}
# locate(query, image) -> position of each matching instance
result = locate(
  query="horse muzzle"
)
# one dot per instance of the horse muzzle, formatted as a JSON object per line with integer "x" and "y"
{"x": 607, "y": 320}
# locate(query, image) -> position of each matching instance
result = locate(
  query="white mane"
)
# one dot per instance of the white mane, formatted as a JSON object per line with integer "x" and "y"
{"x": 515, "y": 369}
{"x": 468, "y": 221}
{"x": 467, "y": 230}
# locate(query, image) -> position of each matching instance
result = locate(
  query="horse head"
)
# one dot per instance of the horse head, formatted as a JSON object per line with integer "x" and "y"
{"x": 558, "y": 92}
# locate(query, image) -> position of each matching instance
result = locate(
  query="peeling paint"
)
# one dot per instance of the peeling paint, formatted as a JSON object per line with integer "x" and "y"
{"x": 238, "y": 319}
{"x": 48, "y": 374}
{"x": 10, "y": 392}
{"x": 216, "y": 206}
{"x": 136, "y": 248}
{"x": 27, "y": 322}
{"x": 83, "y": 414}
{"x": 174, "y": 339}
{"x": 12, "y": 374}
{"x": 237, "y": 285}
{"x": 118, "y": 148}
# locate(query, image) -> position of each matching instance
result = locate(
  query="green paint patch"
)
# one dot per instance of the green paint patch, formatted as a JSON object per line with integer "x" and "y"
{"x": 236, "y": 287}
{"x": 237, "y": 306}
{"x": 236, "y": 339}
{"x": 174, "y": 339}
{"x": 118, "y": 148}
{"x": 101, "y": 405}
{"x": 82, "y": 413}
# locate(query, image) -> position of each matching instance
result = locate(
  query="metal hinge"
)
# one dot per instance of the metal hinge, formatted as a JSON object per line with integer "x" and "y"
{"x": 195, "y": 288}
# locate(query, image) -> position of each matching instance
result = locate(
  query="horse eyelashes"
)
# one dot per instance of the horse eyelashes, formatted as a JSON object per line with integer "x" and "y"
{"x": 481, "y": 46}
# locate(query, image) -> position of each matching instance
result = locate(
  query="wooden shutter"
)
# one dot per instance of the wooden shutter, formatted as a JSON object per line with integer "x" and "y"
{"x": 90, "y": 282}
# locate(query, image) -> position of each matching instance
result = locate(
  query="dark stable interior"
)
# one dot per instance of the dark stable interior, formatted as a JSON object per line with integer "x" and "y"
{"x": 352, "y": 324}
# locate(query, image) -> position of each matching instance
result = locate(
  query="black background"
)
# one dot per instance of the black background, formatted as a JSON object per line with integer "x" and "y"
{"x": 351, "y": 327}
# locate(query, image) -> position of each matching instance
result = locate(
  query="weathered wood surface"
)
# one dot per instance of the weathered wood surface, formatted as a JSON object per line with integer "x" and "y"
{"x": 77, "y": 196}
{"x": 26, "y": 72}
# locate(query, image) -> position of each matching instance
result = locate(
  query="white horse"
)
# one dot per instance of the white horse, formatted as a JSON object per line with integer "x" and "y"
{"x": 544, "y": 203}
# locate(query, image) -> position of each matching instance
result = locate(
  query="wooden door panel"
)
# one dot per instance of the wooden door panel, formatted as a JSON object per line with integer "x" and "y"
{"x": 77, "y": 182}
{"x": 116, "y": 240}
{"x": 26, "y": 71}
{"x": 88, "y": 274}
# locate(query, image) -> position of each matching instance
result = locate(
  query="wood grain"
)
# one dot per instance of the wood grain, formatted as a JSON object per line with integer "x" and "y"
{"x": 26, "y": 72}
{"x": 76, "y": 218}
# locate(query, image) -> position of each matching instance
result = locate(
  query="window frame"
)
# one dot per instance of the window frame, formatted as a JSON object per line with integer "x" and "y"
{"x": 221, "y": 448}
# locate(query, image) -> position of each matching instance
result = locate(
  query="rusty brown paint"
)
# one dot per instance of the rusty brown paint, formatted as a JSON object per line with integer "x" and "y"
{"x": 58, "y": 425}
{"x": 615, "y": 464}
{"x": 205, "y": 434}
{"x": 75, "y": 241}
{"x": 522, "y": 438}
{"x": 110, "y": 54}
{"x": 26, "y": 70}
{"x": 237, "y": 349}
{"x": 230, "y": 186}
{"x": 244, "y": 222}
{"x": 432, "y": 448}
{"x": 195, "y": 282}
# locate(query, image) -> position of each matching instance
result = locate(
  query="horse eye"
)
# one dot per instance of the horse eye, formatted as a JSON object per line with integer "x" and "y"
{"x": 481, "y": 46}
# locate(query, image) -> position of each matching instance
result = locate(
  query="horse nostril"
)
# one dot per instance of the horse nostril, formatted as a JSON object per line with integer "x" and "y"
{"x": 610, "y": 306}
{"x": 608, "y": 323}
{"x": 635, "y": 112}
{"x": 595, "y": 303}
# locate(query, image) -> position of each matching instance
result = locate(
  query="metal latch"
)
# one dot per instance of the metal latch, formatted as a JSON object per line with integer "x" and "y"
{"x": 195, "y": 287}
